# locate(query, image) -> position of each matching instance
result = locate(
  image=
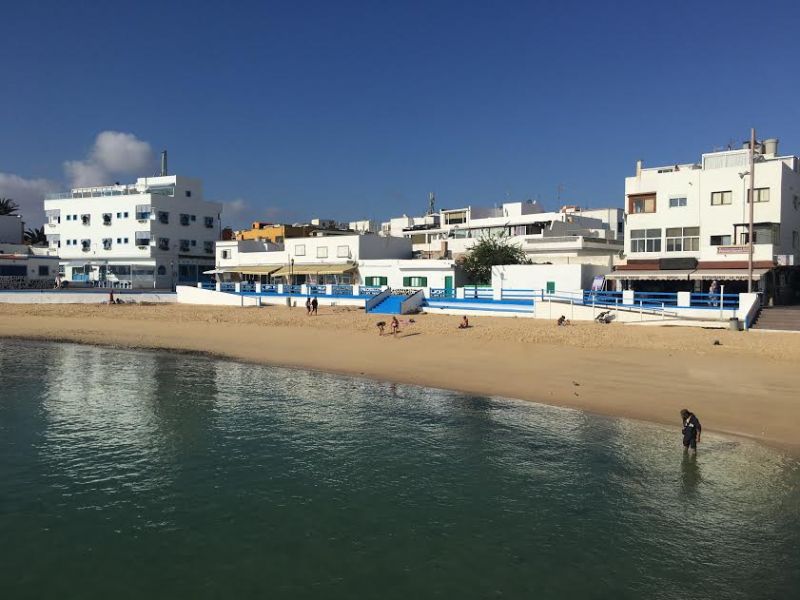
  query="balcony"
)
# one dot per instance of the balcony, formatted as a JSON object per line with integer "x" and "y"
{"x": 106, "y": 219}
{"x": 142, "y": 242}
{"x": 86, "y": 219}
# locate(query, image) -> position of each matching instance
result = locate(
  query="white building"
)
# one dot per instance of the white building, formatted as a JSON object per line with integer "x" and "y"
{"x": 151, "y": 234}
{"x": 570, "y": 235}
{"x": 23, "y": 266}
{"x": 365, "y": 259}
{"x": 687, "y": 224}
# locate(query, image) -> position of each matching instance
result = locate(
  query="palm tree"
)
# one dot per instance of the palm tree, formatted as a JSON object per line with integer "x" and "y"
{"x": 8, "y": 207}
{"x": 35, "y": 237}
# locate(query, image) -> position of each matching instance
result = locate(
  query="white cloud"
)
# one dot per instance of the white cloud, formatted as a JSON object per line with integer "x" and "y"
{"x": 29, "y": 194}
{"x": 114, "y": 153}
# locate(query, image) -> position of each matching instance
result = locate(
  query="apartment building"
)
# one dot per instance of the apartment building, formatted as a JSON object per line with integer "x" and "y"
{"x": 687, "y": 224}
{"x": 151, "y": 234}
{"x": 571, "y": 235}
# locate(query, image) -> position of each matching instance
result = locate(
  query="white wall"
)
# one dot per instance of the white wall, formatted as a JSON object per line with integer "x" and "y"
{"x": 567, "y": 278}
{"x": 395, "y": 270}
{"x": 88, "y": 297}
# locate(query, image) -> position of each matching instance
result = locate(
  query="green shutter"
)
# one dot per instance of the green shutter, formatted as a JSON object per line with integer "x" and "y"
{"x": 383, "y": 281}
{"x": 407, "y": 281}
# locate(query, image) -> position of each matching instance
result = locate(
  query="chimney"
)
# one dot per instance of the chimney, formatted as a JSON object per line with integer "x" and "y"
{"x": 639, "y": 168}
{"x": 164, "y": 163}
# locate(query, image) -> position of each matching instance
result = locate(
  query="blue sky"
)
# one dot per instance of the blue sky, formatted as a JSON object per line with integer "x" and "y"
{"x": 292, "y": 110}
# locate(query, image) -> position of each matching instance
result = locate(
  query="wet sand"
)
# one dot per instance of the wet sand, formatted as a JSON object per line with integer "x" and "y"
{"x": 748, "y": 384}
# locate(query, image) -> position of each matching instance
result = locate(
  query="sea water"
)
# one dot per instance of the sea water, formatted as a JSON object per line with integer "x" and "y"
{"x": 134, "y": 474}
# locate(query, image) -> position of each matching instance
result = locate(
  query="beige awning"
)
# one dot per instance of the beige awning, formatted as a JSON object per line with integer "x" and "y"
{"x": 676, "y": 275}
{"x": 248, "y": 270}
{"x": 315, "y": 269}
{"x": 727, "y": 274}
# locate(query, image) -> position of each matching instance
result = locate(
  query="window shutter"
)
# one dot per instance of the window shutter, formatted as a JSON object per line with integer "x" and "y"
{"x": 407, "y": 281}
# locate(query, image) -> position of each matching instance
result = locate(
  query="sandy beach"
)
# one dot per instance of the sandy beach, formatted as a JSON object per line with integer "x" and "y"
{"x": 747, "y": 384}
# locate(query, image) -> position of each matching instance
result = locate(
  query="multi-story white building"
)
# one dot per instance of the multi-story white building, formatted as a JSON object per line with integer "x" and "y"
{"x": 687, "y": 224}
{"x": 151, "y": 234}
{"x": 570, "y": 235}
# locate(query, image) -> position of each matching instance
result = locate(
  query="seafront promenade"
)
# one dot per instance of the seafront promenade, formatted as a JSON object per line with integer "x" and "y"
{"x": 743, "y": 384}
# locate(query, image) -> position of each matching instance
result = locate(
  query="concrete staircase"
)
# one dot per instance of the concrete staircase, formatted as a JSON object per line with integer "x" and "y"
{"x": 783, "y": 318}
{"x": 388, "y": 306}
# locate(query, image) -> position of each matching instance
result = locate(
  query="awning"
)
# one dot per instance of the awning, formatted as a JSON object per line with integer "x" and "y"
{"x": 315, "y": 269}
{"x": 248, "y": 270}
{"x": 675, "y": 275}
{"x": 727, "y": 274}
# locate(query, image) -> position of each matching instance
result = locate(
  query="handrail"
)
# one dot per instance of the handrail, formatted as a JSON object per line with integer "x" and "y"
{"x": 377, "y": 299}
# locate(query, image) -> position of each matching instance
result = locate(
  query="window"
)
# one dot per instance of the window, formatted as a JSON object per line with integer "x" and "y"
{"x": 796, "y": 240}
{"x": 721, "y": 240}
{"x": 44, "y": 271}
{"x": 678, "y": 202}
{"x": 194, "y": 243}
{"x": 322, "y": 252}
{"x": 194, "y": 218}
{"x": 415, "y": 281}
{"x": 188, "y": 193}
{"x": 162, "y": 270}
{"x": 762, "y": 194}
{"x": 763, "y": 233}
{"x": 107, "y": 218}
{"x": 125, "y": 215}
{"x": 69, "y": 217}
{"x": 642, "y": 204}
{"x": 163, "y": 243}
{"x": 683, "y": 239}
{"x": 209, "y": 222}
{"x": 645, "y": 240}
{"x": 455, "y": 218}
{"x": 208, "y": 247}
{"x": 342, "y": 251}
{"x": 143, "y": 212}
{"x": 119, "y": 240}
{"x": 106, "y": 243}
{"x": 796, "y": 202}
{"x": 184, "y": 220}
{"x": 184, "y": 245}
{"x": 226, "y": 254}
{"x": 300, "y": 250}
{"x": 720, "y": 198}
{"x": 119, "y": 215}
{"x": 124, "y": 240}
{"x": 86, "y": 245}
{"x": 376, "y": 281}
{"x": 86, "y": 219}
{"x": 163, "y": 217}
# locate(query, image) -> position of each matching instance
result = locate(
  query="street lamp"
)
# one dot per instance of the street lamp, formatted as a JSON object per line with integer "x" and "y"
{"x": 291, "y": 271}
{"x": 750, "y": 217}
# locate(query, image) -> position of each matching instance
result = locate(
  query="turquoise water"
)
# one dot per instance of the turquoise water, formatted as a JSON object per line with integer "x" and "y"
{"x": 128, "y": 474}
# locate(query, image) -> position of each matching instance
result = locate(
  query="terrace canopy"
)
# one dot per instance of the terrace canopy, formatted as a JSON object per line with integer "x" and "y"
{"x": 727, "y": 274}
{"x": 315, "y": 269}
{"x": 651, "y": 275}
{"x": 249, "y": 270}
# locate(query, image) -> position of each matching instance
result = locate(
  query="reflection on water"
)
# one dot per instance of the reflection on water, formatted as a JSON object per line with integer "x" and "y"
{"x": 131, "y": 474}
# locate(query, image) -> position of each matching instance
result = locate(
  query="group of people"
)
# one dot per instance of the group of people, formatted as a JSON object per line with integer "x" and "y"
{"x": 395, "y": 324}
{"x": 311, "y": 306}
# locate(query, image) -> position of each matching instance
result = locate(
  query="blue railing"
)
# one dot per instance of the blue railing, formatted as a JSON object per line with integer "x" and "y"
{"x": 442, "y": 293}
{"x": 317, "y": 290}
{"x": 208, "y": 285}
{"x": 269, "y": 288}
{"x": 725, "y": 301}
{"x": 292, "y": 289}
{"x": 248, "y": 286}
{"x": 342, "y": 290}
{"x": 369, "y": 290}
{"x": 227, "y": 286}
{"x": 80, "y": 277}
{"x": 519, "y": 294}
{"x": 474, "y": 291}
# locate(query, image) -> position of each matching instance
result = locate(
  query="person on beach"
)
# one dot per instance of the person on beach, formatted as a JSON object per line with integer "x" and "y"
{"x": 562, "y": 321}
{"x": 381, "y": 327}
{"x": 713, "y": 291}
{"x": 691, "y": 430}
{"x": 314, "y": 306}
{"x": 464, "y": 322}
{"x": 308, "y": 306}
{"x": 111, "y": 297}
{"x": 395, "y": 326}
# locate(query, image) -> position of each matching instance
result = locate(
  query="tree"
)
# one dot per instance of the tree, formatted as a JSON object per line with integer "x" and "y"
{"x": 8, "y": 207}
{"x": 35, "y": 237}
{"x": 488, "y": 252}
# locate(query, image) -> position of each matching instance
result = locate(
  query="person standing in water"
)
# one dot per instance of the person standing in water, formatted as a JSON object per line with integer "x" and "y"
{"x": 691, "y": 430}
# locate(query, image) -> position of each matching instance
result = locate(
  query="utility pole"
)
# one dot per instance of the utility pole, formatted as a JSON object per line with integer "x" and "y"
{"x": 750, "y": 220}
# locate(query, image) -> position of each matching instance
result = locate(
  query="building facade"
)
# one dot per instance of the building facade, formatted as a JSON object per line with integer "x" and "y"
{"x": 687, "y": 224}
{"x": 569, "y": 236}
{"x": 152, "y": 234}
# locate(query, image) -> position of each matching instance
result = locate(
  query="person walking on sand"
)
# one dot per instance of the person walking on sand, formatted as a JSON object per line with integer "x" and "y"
{"x": 308, "y": 306}
{"x": 381, "y": 327}
{"x": 691, "y": 430}
{"x": 314, "y": 306}
{"x": 395, "y": 326}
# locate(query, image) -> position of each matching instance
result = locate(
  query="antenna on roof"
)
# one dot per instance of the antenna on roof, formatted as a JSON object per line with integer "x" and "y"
{"x": 164, "y": 163}
{"x": 431, "y": 203}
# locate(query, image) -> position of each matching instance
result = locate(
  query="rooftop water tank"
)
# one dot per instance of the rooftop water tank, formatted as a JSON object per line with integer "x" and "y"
{"x": 771, "y": 146}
